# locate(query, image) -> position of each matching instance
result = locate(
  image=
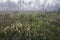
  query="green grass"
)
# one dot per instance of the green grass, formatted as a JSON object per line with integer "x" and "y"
{"x": 30, "y": 26}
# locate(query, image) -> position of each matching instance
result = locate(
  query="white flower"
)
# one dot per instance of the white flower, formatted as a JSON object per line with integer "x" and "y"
{"x": 41, "y": 34}
{"x": 19, "y": 31}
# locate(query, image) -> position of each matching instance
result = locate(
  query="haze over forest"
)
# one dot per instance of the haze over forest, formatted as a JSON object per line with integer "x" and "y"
{"x": 29, "y": 5}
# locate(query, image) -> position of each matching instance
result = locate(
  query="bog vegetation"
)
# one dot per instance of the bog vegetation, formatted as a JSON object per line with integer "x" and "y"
{"x": 30, "y": 26}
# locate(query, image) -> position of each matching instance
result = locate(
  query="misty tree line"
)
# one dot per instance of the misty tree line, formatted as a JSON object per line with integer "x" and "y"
{"x": 12, "y": 6}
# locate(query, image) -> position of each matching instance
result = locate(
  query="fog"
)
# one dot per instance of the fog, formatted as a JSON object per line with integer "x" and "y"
{"x": 29, "y": 5}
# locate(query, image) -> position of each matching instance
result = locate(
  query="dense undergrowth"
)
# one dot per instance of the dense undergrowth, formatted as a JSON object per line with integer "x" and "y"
{"x": 28, "y": 26}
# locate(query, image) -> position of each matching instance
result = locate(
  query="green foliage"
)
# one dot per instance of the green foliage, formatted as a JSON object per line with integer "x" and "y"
{"x": 26, "y": 26}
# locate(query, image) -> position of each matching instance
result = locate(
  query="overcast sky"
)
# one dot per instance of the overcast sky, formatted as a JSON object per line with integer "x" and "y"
{"x": 30, "y": 4}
